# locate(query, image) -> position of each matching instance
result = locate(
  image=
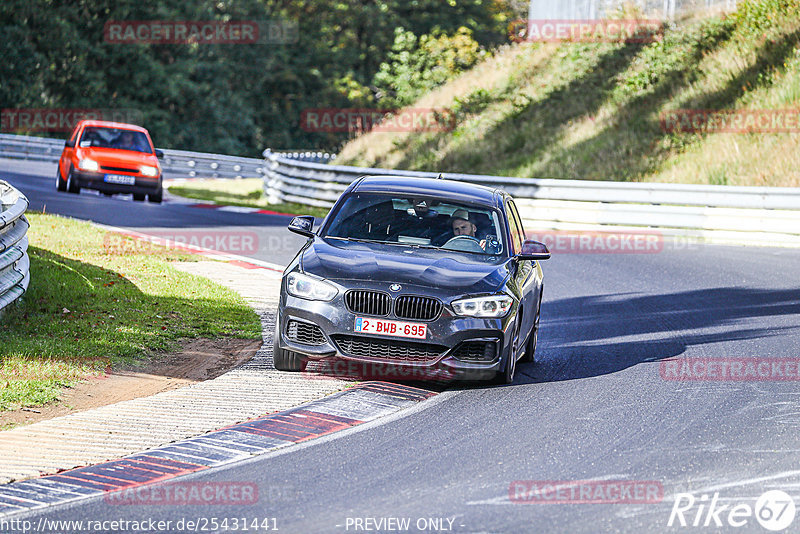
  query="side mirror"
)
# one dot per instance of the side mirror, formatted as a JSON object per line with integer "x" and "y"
{"x": 303, "y": 225}
{"x": 69, "y": 144}
{"x": 533, "y": 250}
{"x": 159, "y": 154}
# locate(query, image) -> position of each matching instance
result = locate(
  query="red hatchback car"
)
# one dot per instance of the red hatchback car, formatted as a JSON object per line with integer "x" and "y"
{"x": 110, "y": 157}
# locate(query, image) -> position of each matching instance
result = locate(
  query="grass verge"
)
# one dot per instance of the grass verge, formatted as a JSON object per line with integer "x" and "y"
{"x": 91, "y": 306}
{"x": 246, "y": 192}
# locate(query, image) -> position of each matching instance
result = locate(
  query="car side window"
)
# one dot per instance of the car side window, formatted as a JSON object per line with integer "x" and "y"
{"x": 515, "y": 228}
{"x": 518, "y": 218}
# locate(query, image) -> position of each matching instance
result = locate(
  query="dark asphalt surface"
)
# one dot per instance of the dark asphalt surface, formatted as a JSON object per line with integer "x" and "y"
{"x": 594, "y": 406}
{"x": 271, "y": 242}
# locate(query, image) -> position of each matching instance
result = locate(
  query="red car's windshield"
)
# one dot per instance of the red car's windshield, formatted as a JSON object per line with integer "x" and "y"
{"x": 121, "y": 139}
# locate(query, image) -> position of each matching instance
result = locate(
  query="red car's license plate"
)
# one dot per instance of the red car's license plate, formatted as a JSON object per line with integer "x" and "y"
{"x": 391, "y": 328}
{"x": 120, "y": 179}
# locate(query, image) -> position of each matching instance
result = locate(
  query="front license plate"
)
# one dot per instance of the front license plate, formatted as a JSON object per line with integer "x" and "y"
{"x": 391, "y": 328}
{"x": 120, "y": 179}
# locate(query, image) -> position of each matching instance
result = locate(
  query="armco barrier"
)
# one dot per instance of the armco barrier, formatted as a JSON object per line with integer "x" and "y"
{"x": 176, "y": 163}
{"x": 724, "y": 214}
{"x": 14, "y": 262}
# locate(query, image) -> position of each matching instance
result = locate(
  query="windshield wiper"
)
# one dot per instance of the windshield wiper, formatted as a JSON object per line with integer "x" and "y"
{"x": 391, "y": 243}
{"x": 356, "y": 240}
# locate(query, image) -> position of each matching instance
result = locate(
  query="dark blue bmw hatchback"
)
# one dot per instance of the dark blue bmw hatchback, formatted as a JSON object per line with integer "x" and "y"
{"x": 431, "y": 276}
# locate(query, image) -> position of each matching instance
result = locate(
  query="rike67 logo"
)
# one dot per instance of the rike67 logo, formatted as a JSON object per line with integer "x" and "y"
{"x": 774, "y": 511}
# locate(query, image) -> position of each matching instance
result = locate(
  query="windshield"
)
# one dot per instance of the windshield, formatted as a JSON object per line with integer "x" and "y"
{"x": 418, "y": 221}
{"x": 115, "y": 138}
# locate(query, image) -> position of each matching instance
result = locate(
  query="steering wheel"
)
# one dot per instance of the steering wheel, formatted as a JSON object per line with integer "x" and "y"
{"x": 463, "y": 243}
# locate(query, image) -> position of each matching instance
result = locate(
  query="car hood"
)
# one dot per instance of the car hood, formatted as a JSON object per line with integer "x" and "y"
{"x": 112, "y": 156}
{"x": 343, "y": 260}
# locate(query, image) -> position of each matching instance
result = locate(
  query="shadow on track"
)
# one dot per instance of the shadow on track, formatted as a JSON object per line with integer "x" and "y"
{"x": 591, "y": 336}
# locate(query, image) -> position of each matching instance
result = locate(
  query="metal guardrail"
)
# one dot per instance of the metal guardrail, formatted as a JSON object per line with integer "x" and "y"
{"x": 176, "y": 163}
{"x": 14, "y": 261}
{"x": 302, "y": 155}
{"x": 728, "y": 214}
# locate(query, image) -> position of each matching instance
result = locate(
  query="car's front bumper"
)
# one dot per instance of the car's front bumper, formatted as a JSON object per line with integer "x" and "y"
{"x": 96, "y": 180}
{"x": 448, "y": 334}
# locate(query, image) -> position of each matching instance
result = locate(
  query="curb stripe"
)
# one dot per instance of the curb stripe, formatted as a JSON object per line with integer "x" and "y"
{"x": 352, "y": 407}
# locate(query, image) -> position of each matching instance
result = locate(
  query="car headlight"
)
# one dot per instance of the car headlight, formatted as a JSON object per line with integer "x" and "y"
{"x": 491, "y": 306}
{"x": 147, "y": 170}
{"x": 306, "y": 287}
{"x": 87, "y": 164}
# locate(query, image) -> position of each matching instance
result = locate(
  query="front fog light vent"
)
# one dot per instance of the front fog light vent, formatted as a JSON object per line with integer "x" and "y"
{"x": 304, "y": 333}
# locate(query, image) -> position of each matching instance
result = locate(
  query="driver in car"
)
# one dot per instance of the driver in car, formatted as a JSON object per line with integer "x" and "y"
{"x": 462, "y": 226}
{"x": 127, "y": 141}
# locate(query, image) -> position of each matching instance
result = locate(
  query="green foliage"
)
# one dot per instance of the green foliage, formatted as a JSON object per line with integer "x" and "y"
{"x": 415, "y": 66}
{"x": 757, "y": 18}
{"x": 235, "y": 99}
{"x": 593, "y": 110}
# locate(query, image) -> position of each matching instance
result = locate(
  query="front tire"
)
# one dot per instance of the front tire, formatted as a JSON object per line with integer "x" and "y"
{"x": 285, "y": 360}
{"x": 506, "y": 376}
{"x": 530, "y": 347}
{"x": 61, "y": 185}
{"x": 156, "y": 198}
{"x": 71, "y": 186}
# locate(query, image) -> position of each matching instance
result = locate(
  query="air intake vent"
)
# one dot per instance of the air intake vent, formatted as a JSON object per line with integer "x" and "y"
{"x": 418, "y": 308}
{"x": 368, "y": 302}
{"x": 389, "y": 350}
{"x": 476, "y": 351}
{"x": 304, "y": 333}
{"x": 118, "y": 169}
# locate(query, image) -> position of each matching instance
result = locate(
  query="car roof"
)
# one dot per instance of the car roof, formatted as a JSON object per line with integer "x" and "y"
{"x": 110, "y": 124}
{"x": 428, "y": 187}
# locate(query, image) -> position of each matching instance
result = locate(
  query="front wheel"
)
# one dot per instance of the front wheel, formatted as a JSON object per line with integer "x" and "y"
{"x": 156, "y": 198}
{"x": 506, "y": 376}
{"x": 285, "y": 360}
{"x": 61, "y": 185}
{"x": 71, "y": 186}
{"x": 530, "y": 347}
